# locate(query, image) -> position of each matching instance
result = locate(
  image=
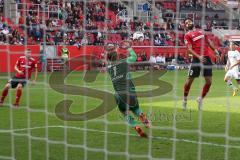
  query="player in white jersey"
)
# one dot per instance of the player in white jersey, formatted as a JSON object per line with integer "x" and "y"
{"x": 233, "y": 67}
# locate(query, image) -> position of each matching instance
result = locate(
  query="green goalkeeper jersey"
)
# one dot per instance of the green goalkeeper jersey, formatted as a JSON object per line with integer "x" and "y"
{"x": 120, "y": 75}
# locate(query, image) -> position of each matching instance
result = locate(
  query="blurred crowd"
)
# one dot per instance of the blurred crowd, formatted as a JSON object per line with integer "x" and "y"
{"x": 93, "y": 23}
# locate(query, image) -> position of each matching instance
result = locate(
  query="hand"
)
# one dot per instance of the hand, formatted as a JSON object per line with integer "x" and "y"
{"x": 202, "y": 59}
{"x": 226, "y": 68}
{"x": 217, "y": 53}
{"x": 20, "y": 72}
{"x": 218, "y": 58}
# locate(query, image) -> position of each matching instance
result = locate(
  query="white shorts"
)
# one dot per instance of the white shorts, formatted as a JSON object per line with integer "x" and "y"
{"x": 233, "y": 74}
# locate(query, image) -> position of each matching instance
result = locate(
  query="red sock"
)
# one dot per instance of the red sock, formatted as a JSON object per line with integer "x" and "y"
{"x": 187, "y": 87}
{"x": 4, "y": 94}
{"x": 205, "y": 90}
{"x": 18, "y": 95}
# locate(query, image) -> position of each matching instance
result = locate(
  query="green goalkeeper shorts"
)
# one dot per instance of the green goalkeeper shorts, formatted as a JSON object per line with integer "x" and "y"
{"x": 127, "y": 102}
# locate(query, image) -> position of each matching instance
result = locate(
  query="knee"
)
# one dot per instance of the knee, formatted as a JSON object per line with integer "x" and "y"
{"x": 226, "y": 79}
{"x": 209, "y": 82}
{"x": 7, "y": 86}
{"x": 189, "y": 81}
{"x": 19, "y": 86}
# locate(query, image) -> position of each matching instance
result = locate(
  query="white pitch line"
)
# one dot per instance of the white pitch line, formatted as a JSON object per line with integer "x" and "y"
{"x": 124, "y": 134}
{"x": 6, "y": 158}
{"x": 138, "y": 88}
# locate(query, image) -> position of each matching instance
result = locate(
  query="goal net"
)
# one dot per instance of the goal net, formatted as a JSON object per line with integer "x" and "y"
{"x": 71, "y": 112}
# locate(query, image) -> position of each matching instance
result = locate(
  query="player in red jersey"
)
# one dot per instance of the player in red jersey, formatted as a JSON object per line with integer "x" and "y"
{"x": 24, "y": 68}
{"x": 198, "y": 44}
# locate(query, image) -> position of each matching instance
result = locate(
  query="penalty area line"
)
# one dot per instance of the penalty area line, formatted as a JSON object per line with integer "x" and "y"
{"x": 123, "y": 134}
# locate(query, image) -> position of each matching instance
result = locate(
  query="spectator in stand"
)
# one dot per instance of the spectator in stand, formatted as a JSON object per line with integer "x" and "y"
{"x": 37, "y": 32}
{"x": 2, "y": 38}
{"x": 169, "y": 58}
{"x": 125, "y": 34}
{"x": 43, "y": 59}
{"x": 98, "y": 38}
{"x": 152, "y": 59}
{"x": 70, "y": 16}
{"x": 84, "y": 41}
{"x": 5, "y": 31}
{"x": 65, "y": 56}
{"x": 160, "y": 59}
{"x": 144, "y": 56}
{"x": 157, "y": 41}
{"x": 170, "y": 25}
{"x": 139, "y": 58}
{"x": 147, "y": 35}
{"x": 1, "y": 6}
{"x": 180, "y": 59}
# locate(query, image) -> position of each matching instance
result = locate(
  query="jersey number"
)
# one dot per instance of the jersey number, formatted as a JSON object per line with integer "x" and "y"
{"x": 190, "y": 72}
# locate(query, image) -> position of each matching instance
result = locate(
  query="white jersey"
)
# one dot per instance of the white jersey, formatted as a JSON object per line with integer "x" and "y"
{"x": 233, "y": 58}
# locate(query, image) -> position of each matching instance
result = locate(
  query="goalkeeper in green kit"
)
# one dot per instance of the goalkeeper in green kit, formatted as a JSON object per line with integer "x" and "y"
{"x": 125, "y": 93}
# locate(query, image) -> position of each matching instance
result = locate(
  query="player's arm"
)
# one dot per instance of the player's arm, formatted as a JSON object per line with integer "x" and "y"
{"x": 238, "y": 61}
{"x": 211, "y": 45}
{"x": 227, "y": 65}
{"x": 132, "y": 55}
{"x": 17, "y": 69}
{"x": 192, "y": 52}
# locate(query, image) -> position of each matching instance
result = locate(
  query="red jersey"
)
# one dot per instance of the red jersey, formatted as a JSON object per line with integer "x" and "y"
{"x": 198, "y": 40}
{"x": 26, "y": 66}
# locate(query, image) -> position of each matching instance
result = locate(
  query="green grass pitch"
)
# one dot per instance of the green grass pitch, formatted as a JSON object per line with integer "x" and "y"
{"x": 36, "y": 133}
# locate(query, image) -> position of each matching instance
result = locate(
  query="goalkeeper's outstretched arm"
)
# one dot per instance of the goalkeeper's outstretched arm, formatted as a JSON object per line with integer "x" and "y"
{"x": 132, "y": 56}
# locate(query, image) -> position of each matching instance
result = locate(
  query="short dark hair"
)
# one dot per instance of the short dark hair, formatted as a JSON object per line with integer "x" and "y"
{"x": 188, "y": 19}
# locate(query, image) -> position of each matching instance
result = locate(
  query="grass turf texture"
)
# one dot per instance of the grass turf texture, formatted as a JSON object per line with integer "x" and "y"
{"x": 94, "y": 139}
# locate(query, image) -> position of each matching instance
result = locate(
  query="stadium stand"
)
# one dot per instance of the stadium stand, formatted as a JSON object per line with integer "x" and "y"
{"x": 62, "y": 23}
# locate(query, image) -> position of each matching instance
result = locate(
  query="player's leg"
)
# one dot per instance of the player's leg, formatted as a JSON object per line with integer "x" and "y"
{"x": 5, "y": 92}
{"x": 206, "y": 87}
{"x": 194, "y": 71}
{"x": 18, "y": 94}
{"x": 131, "y": 101}
{"x": 139, "y": 113}
{"x": 207, "y": 73}
{"x": 205, "y": 90}
{"x": 187, "y": 87}
{"x": 124, "y": 109}
{"x": 133, "y": 123}
{"x": 228, "y": 80}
